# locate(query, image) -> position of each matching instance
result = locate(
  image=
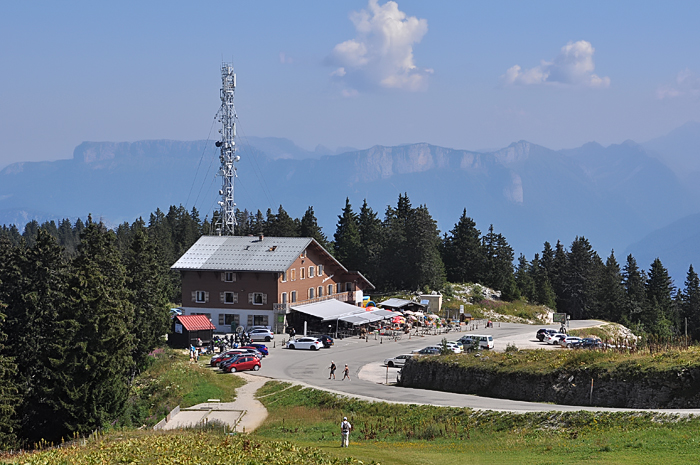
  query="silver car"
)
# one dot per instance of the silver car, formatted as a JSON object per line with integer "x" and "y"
{"x": 261, "y": 334}
{"x": 398, "y": 361}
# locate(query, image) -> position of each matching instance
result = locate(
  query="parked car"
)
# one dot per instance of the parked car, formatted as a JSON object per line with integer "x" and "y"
{"x": 485, "y": 341}
{"x": 430, "y": 350}
{"x": 246, "y": 362}
{"x": 326, "y": 340}
{"x": 570, "y": 341}
{"x": 216, "y": 359}
{"x": 454, "y": 347}
{"x": 261, "y": 334}
{"x": 554, "y": 338}
{"x": 591, "y": 343}
{"x": 542, "y": 333}
{"x": 310, "y": 343}
{"x": 262, "y": 348}
{"x": 398, "y": 361}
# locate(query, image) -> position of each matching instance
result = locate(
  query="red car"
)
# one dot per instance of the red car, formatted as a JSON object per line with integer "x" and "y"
{"x": 247, "y": 362}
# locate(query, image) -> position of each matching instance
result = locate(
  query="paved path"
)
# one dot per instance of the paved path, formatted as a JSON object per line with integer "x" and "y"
{"x": 243, "y": 415}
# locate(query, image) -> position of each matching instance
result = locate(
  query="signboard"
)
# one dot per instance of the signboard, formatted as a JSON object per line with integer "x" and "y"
{"x": 461, "y": 309}
{"x": 559, "y": 318}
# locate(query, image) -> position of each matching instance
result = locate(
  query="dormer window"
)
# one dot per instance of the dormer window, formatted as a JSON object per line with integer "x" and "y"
{"x": 228, "y": 276}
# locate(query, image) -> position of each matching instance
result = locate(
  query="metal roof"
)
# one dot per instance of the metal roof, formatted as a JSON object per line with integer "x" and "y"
{"x": 195, "y": 322}
{"x": 368, "y": 317}
{"x": 327, "y": 310}
{"x": 398, "y": 303}
{"x": 242, "y": 253}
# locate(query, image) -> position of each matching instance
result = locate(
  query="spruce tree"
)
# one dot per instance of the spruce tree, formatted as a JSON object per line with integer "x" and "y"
{"x": 544, "y": 294}
{"x": 660, "y": 317}
{"x": 309, "y": 228}
{"x": 580, "y": 280}
{"x": 498, "y": 265}
{"x": 425, "y": 268}
{"x": 690, "y": 303}
{"x": 9, "y": 397}
{"x": 634, "y": 281}
{"x": 524, "y": 279}
{"x": 463, "y": 252}
{"x": 148, "y": 286}
{"x": 370, "y": 230}
{"x": 93, "y": 366}
{"x": 281, "y": 224}
{"x": 346, "y": 244}
{"x": 611, "y": 293}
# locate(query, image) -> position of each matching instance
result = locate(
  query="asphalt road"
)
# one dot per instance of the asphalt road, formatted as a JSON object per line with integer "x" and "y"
{"x": 311, "y": 368}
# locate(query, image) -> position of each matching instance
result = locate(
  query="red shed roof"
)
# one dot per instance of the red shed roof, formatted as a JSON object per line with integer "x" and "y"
{"x": 195, "y": 322}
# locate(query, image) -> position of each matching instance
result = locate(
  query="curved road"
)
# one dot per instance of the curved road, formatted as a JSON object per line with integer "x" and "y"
{"x": 311, "y": 368}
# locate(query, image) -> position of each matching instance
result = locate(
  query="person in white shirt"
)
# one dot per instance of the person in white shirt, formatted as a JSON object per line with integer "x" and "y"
{"x": 345, "y": 428}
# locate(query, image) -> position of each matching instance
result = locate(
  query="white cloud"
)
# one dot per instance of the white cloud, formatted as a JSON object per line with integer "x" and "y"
{"x": 573, "y": 66}
{"x": 687, "y": 84}
{"x": 382, "y": 52}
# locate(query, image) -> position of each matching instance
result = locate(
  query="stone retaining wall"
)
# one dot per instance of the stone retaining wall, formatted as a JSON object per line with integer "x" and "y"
{"x": 569, "y": 387}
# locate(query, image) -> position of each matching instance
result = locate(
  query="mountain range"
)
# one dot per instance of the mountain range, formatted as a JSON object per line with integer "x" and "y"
{"x": 633, "y": 198}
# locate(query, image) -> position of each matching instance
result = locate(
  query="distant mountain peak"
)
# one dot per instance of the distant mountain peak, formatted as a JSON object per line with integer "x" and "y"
{"x": 514, "y": 153}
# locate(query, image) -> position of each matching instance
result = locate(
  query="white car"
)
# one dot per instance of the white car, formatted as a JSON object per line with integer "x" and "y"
{"x": 310, "y": 343}
{"x": 554, "y": 338}
{"x": 261, "y": 334}
{"x": 398, "y": 361}
{"x": 454, "y": 347}
{"x": 427, "y": 350}
{"x": 570, "y": 341}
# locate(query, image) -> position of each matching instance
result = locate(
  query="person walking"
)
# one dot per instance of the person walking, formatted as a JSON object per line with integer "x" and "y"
{"x": 332, "y": 375}
{"x": 346, "y": 373}
{"x": 345, "y": 428}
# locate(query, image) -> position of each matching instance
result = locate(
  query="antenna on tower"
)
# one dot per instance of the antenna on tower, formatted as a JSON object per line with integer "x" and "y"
{"x": 225, "y": 224}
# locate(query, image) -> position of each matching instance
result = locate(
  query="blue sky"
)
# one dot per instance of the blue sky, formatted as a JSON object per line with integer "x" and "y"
{"x": 468, "y": 75}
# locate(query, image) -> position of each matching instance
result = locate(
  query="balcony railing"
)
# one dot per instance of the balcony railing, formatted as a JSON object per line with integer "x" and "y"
{"x": 348, "y": 296}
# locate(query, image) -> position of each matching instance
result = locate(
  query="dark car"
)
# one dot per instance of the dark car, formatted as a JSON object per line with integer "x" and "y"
{"x": 542, "y": 333}
{"x": 326, "y": 340}
{"x": 590, "y": 343}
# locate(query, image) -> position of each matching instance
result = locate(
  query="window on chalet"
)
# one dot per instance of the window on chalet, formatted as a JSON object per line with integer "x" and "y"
{"x": 229, "y": 319}
{"x": 200, "y": 297}
{"x": 228, "y": 276}
{"x": 311, "y": 271}
{"x": 339, "y": 288}
{"x": 330, "y": 289}
{"x": 348, "y": 286}
{"x": 257, "y": 298}
{"x": 320, "y": 270}
{"x": 302, "y": 273}
{"x": 284, "y": 276}
{"x": 260, "y": 320}
{"x": 284, "y": 298}
{"x": 311, "y": 293}
{"x": 228, "y": 297}
{"x": 320, "y": 291}
{"x": 293, "y": 274}
{"x": 294, "y": 296}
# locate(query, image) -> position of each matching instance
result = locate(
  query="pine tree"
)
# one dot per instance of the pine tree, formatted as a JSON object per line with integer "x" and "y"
{"x": 370, "y": 230}
{"x": 544, "y": 294}
{"x": 346, "y": 244}
{"x": 635, "y": 292}
{"x": 690, "y": 303}
{"x": 581, "y": 279}
{"x": 524, "y": 279}
{"x": 660, "y": 317}
{"x": 425, "y": 268}
{"x": 309, "y": 228}
{"x": 611, "y": 293}
{"x": 93, "y": 366}
{"x": 35, "y": 294}
{"x": 148, "y": 286}
{"x": 9, "y": 398}
{"x": 281, "y": 224}
{"x": 463, "y": 252}
{"x": 556, "y": 273}
{"x": 498, "y": 265}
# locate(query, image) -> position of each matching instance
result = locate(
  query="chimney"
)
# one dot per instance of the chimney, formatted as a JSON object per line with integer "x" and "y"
{"x": 261, "y": 237}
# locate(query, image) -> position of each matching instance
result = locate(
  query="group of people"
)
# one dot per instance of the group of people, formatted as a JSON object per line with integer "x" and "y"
{"x": 346, "y": 371}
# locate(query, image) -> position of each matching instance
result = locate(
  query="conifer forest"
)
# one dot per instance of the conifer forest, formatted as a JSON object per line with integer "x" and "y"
{"x": 83, "y": 305}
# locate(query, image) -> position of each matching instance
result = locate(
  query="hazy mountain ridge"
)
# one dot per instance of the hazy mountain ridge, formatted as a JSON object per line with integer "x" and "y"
{"x": 613, "y": 195}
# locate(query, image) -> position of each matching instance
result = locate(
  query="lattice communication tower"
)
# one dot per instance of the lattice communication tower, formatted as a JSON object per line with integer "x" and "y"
{"x": 226, "y": 223}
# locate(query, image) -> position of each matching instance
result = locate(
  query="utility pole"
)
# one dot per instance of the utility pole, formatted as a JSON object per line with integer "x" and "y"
{"x": 226, "y": 223}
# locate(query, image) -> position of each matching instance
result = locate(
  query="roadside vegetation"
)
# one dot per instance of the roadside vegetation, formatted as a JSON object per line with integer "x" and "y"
{"x": 408, "y": 434}
{"x": 542, "y": 362}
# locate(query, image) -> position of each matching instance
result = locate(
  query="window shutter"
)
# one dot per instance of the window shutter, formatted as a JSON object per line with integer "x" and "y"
{"x": 223, "y": 276}
{"x": 251, "y": 298}
{"x": 265, "y": 322}
{"x": 222, "y": 298}
{"x": 206, "y": 296}
{"x": 250, "y": 320}
{"x": 264, "y": 298}
{"x": 194, "y": 296}
{"x": 221, "y": 318}
{"x": 235, "y": 297}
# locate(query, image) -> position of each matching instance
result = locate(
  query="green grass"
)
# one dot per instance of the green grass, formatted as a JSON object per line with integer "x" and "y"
{"x": 171, "y": 380}
{"x": 411, "y": 434}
